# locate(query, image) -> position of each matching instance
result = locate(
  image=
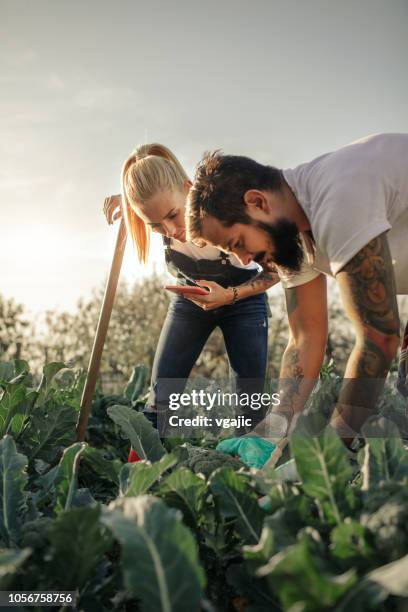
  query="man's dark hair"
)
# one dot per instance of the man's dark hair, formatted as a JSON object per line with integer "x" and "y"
{"x": 220, "y": 183}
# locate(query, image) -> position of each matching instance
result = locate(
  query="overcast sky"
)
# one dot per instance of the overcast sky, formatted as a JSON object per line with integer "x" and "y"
{"x": 82, "y": 83}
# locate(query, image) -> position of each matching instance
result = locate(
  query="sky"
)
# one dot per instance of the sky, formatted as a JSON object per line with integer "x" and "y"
{"x": 83, "y": 83}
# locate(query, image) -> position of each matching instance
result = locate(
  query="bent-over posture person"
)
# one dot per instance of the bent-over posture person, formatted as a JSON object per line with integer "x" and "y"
{"x": 154, "y": 192}
{"x": 343, "y": 214}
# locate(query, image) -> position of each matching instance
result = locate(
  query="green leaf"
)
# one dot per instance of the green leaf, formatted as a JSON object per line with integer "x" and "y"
{"x": 384, "y": 458}
{"x": 108, "y": 469}
{"x": 300, "y": 577}
{"x": 323, "y": 466}
{"x": 185, "y": 490}
{"x": 51, "y": 369}
{"x": 50, "y": 429}
{"x": 79, "y": 541}
{"x": 20, "y": 366}
{"x": 135, "y": 427}
{"x": 349, "y": 541}
{"x": 136, "y": 384}
{"x": 45, "y": 485}
{"x": 45, "y": 389}
{"x": 260, "y": 553}
{"x": 67, "y": 478}
{"x": 11, "y": 402}
{"x": 159, "y": 554}
{"x": 235, "y": 499}
{"x": 13, "y": 497}
{"x": 137, "y": 478}
{"x": 388, "y": 525}
{"x": 10, "y": 563}
{"x": 7, "y": 370}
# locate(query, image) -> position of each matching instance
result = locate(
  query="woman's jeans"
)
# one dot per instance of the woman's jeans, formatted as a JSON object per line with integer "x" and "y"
{"x": 186, "y": 329}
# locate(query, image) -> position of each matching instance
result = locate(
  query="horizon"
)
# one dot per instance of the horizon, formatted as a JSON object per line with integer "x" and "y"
{"x": 73, "y": 107}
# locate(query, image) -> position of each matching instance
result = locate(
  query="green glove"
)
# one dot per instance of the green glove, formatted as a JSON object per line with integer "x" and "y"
{"x": 252, "y": 450}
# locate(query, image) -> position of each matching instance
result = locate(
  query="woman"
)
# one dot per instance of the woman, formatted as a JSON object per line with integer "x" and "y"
{"x": 154, "y": 193}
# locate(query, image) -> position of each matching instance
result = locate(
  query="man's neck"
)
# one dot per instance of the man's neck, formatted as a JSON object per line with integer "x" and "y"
{"x": 295, "y": 210}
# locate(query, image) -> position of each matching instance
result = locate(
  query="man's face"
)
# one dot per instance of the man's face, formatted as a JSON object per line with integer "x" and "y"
{"x": 267, "y": 243}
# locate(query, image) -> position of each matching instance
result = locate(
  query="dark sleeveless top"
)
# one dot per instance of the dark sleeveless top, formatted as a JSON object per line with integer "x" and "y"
{"x": 221, "y": 270}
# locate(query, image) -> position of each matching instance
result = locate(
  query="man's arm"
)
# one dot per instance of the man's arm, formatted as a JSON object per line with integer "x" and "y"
{"x": 367, "y": 287}
{"x": 258, "y": 284}
{"x": 304, "y": 354}
{"x": 219, "y": 296}
{"x": 303, "y": 357}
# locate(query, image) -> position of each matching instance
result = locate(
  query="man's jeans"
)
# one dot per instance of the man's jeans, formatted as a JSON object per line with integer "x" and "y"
{"x": 186, "y": 329}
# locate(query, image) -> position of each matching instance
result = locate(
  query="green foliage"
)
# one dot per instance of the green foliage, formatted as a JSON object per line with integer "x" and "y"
{"x": 137, "y": 478}
{"x": 300, "y": 576}
{"x": 385, "y": 458}
{"x": 192, "y": 528}
{"x": 10, "y": 562}
{"x": 185, "y": 490}
{"x": 205, "y": 461}
{"x": 76, "y": 535}
{"x": 13, "y": 496}
{"x": 389, "y": 526}
{"x": 324, "y": 469}
{"x": 236, "y": 500}
{"x": 159, "y": 554}
{"x": 139, "y": 431}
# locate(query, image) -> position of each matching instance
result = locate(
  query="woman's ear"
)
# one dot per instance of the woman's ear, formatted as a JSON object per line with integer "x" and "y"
{"x": 187, "y": 185}
{"x": 255, "y": 201}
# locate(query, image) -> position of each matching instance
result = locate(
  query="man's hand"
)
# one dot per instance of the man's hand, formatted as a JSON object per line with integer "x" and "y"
{"x": 218, "y": 296}
{"x": 367, "y": 287}
{"x": 112, "y": 208}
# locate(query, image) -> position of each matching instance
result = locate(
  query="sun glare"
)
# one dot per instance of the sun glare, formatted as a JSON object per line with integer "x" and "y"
{"x": 132, "y": 270}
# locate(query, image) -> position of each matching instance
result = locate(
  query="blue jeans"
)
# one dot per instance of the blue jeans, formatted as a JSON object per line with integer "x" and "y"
{"x": 186, "y": 329}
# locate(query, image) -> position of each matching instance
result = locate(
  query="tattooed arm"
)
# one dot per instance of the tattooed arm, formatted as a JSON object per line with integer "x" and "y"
{"x": 219, "y": 296}
{"x": 367, "y": 287}
{"x": 307, "y": 312}
{"x": 304, "y": 354}
{"x": 258, "y": 284}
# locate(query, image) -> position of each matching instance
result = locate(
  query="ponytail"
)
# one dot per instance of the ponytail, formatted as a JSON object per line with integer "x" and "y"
{"x": 149, "y": 169}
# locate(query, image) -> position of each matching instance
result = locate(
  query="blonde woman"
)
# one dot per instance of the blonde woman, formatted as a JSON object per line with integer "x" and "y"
{"x": 154, "y": 193}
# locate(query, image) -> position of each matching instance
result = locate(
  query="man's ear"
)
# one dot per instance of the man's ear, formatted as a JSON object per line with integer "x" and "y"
{"x": 256, "y": 201}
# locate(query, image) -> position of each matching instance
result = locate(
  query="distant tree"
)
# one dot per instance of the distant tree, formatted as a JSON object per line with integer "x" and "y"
{"x": 137, "y": 319}
{"x": 14, "y": 329}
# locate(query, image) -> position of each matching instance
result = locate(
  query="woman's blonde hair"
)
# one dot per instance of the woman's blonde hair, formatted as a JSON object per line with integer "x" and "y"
{"x": 149, "y": 169}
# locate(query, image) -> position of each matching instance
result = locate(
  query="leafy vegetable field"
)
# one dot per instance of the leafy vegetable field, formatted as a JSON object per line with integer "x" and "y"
{"x": 186, "y": 529}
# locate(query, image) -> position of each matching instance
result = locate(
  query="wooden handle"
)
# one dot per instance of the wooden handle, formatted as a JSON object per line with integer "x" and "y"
{"x": 100, "y": 335}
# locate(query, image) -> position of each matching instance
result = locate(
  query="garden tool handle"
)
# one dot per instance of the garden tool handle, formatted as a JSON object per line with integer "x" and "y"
{"x": 100, "y": 335}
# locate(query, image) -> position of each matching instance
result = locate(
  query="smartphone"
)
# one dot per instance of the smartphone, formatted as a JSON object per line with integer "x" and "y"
{"x": 187, "y": 289}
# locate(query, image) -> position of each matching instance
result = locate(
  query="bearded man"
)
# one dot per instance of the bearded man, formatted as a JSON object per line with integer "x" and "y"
{"x": 343, "y": 214}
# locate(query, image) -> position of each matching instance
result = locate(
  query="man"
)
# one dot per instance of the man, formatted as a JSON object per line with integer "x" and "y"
{"x": 343, "y": 214}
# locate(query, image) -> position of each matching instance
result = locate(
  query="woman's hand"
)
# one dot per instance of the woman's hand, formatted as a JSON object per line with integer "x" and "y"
{"x": 112, "y": 208}
{"x": 218, "y": 296}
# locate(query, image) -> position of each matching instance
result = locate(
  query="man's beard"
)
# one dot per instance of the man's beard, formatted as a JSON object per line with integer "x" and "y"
{"x": 287, "y": 247}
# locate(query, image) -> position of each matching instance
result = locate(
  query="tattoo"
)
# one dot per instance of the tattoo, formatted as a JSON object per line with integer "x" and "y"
{"x": 291, "y": 300}
{"x": 369, "y": 296}
{"x": 291, "y": 378}
{"x": 263, "y": 281}
{"x": 372, "y": 286}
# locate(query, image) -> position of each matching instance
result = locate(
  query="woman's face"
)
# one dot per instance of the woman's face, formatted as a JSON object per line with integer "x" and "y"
{"x": 164, "y": 213}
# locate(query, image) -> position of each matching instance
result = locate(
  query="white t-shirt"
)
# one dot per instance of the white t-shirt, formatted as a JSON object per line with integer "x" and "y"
{"x": 209, "y": 252}
{"x": 350, "y": 196}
